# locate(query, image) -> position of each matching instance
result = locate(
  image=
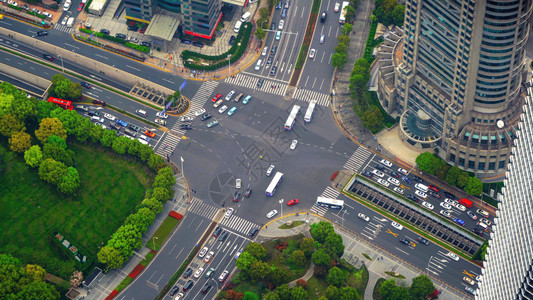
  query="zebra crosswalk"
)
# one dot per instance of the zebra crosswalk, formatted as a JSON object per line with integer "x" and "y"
{"x": 358, "y": 159}
{"x": 307, "y": 96}
{"x": 203, "y": 209}
{"x": 269, "y": 86}
{"x": 238, "y": 224}
{"x": 330, "y": 193}
{"x": 169, "y": 142}
{"x": 63, "y": 28}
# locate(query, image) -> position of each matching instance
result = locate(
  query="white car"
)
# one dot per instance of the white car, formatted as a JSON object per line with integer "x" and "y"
{"x": 203, "y": 252}
{"x": 237, "y": 254}
{"x": 378, "y": 173}
{"x": 160, "y": 122}
{"x": 269, "y": 170}
{"x": 445, "y": 205}
{"x": 133, "y": 39}
{"x": 238, "y": 183}
{"x": 386, "y": 162}
{"x": 161, "y": 115}
{"x": 453, "y": 256}
{"x": 421, "y": 194}
{"x": 222, "y": 109}
{"x": 218, "y": 103}
{"x": 229, "y": 212}
{"x": 337, "y": 7}
{"x": 459, "y": 206}
{"x": 428, "y": 205}
{"x": 394, "y": 181}
{"x": 198, "y": 272}
{"x": 229, "y": 95}
{"x": 64, "y": 21}
{"x": 66, "y": 6}
{"x": 449, "y": 201}
{"x": 209, "y": 256}
{"x": 383, "y": 182}
{"x": 396, "y": 225}
{"x": 188, "y": 119}
{"x": 110, "y": 117}
{"x": 403, "y": 171}
{"x": 281, "y": 23}
{"x": 398, "y": 190}
{"x": 312, "y": 53}
{"x": 293, "y": 144}
{"x": 363, "y": 217}
{"x": 199, "y": 112}
{"x": 445, "y": 213}
{"x": 265, "y": 51}
{"x": 272, "y": 214}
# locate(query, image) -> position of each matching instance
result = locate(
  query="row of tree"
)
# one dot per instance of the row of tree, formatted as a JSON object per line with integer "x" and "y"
{"x": 434, "y": 165}
{"x": 129, "y": 236}
{"x": 23, "y": 282}
{"x": 340, "y": 57}
{"x": 421, "y": 287}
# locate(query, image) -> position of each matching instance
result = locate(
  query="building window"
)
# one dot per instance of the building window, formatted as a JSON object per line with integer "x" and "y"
{"x": 501, "y": 164}
{"x": 452, "y": 157}
{"x": 471, "y": 164}
{"x": 481, "y": 166}
{"x": 461, "y": 161}
{"x": 492, "y": 165}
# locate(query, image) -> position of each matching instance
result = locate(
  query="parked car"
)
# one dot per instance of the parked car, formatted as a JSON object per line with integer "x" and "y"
{"x": 86, "y": 85}
{"x": 105, "y": 31}
{"x": 187, "y": 273}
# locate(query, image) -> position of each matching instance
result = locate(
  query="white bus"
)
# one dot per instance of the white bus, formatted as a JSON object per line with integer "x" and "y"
{"x": 342, "y": 18}
{"x": 421, "y": 187}
{"x": 278, "y": 178}
{"x": 292, "y": 117}
{"x": 329, "y": 203}
{"x": 309, "y": 112}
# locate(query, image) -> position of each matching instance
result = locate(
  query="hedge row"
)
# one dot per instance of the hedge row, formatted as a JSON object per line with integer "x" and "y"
{"x": 117, "y": 40}
{"x": 240, "y": 51}
{"x": 370, "y": 44}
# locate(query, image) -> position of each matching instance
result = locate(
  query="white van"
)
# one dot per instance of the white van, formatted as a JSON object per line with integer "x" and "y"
{"x": 259, "y": 65}
{"x": 70, "y": 22}
{"x": 483, "y": 213}
{"x": 421, "y": 187}
{"x": 237, "y": 27}
{"x": 246, "y": 17}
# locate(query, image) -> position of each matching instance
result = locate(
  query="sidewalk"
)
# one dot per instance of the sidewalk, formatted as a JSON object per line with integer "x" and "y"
{"x": 355, "y": 247}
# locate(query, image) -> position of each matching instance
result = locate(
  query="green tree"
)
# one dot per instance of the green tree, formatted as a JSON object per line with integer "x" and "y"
{"x": 298, "y": 257}
{"x": 245, "y": 261}
{"x": 83, "y": 131}
{"x": 358, "y": 84}
{"x": 24, "y": 108}
{"x": 96, "y": 132}
{"x": 284, "y": 292}
{"x": 398, "y": 15}
{"x": 156, "y": 162}
{"x": 70, "y": 182}
{"x": 256, "y": 250}
{"x": 52, "y": 171}
{"x": 387, "y": 288}
{"x": 161, "y": 194}
{"x": 321, "y": 258}
{"x": 145, "y": 151}
{"x": 332, "y": 293}
{"x": 272, "y": 296}
{"x": 74, "y": 91}
{"x": 134, "y": 147}
{"x": 429, "y": 163}
{"x": 348, "y": 293}
{"x": 120, "y": 145}
{"x": 260, "y": 33}
{"x": 125, "y": 239}
{"x": 69, "y": 118}
{"x": 333, "y": 245}
{"x": 453, "y": 175}
{"x": 346, "y": 29}
{"x": 298, "y": 293}
{"x": 421, "y": 286}
{"x": 250, "y": 296}
{"x": 153, "y": 205}
{"x": 6, "y": 103}
{"x": 61, "y": 89}
{"x": 110, "y": 257}
{"x": 442, "y": 171}
{"x": 33, "y": 156}
{"x": 341, "y": 48}
{"x": 350, "y": 13}
{"x": 20, "y": 142}
{"x": 321, "y": 230}
{"x": 307, "y": 246}
{"x": 474, "y": 186}
{"x": 58, "y": 153}
{"x": 108, "y": 137}
{"x": 43, "y": 109}
{"x": 384, "y": 11}
{"x": 342, "y": 39}
{"x": 143, "y": 218}
{"x": 259, "y": 270}
{"x": 49, "y": 127}
{"x": 338, "y": 60}
{"x": 38, "y": 291}
{"x": 335, "y": 277}
{"x": 57, "y": 140}
{"x": 12, "y": 274}
{"x": 279, "y": 275}
{"x": 10, "y": 124}
{"x": 372, "y": 118}
{"x": 264, "y": 12}
{"x": 462, "y": 180}
{"x": 35, "y": 273}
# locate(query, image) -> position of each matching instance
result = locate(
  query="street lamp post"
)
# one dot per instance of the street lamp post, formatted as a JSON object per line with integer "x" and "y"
{"x": 263, "y": 23}
{"x": 281, "y": 207}
{"x": 153, "y": 240}
{"x": 229, "y": 65}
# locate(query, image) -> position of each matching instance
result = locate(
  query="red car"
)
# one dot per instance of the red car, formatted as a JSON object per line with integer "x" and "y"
{"x": 149, "y": 133}
{"x": 216, "y": 98}
{"x": 292, "y": 202}
{"x": 80, "y": 7}
{"x": 433, "y": 188}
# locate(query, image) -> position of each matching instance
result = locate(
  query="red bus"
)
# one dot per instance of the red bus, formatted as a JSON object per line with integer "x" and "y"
{"x": 466, "y": 202}
{"x": 65, "y": 104}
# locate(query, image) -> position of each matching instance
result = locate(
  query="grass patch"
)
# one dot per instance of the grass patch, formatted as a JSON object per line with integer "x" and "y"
{"x": 277, "y": 258}
{"x": 124, "y": 283}
{"x": 358, "y": 279}
{"x": 316, "y": 288}
{"x": 395, "y": 275}
{"x": 162, "y": 233}
{"x": 147, "y": 258}
{"x": 375, "y": 292}
{"x": 293, "y": 224}
{"x": 367, "y": 256}
{"x": 110, "y": 189}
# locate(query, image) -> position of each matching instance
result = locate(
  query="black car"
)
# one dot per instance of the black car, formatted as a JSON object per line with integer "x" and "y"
{"x": 86, "y": 85}
{"x": 174, "y": 290}
{"x": 273, "y": 25}
{"x": 449, "y": 195}
{"x": 394, "y": 174}
{"x": 187, "y": 273}
{"x": 48, "y": 57}
{"x": 133, "y": 28}
{"x": 121, "y": 36}
{"x": 323, "y": 16}
{"x": 223, "y": 236}
{"x": 99, "y": 102}
{"x": 206, "y": 117}
{"x": 278, "y": 6}
{"x": 379, "y": 167}
{"x": 186, "y": 42}
{"x": 42, "y": 33}
{"x": 188, "y": 286}
{"x": 269, "y": 60}
{"x": 134, "y": 127}
{"x": 368, "y": 174}
{"x": 407, "y": 179}
{"x": 418, "y": 179}
{"x": 185, "y": 127}
{"x": 274, "y": 49}
{"x": 248, "y": 193}
{"x": 273, "y": 71}
{"x": 198, "y": 44}
{"x": 146, "y": 44}
{"x": 253, "y": 231}
{"x": 260, "y": 83}
{"x": 217, "y": 231}
{"x": 422, "y": 240}
{"x": 236, "y": 196}
{"x": 93, "y": 113}
{"x": 207, "y": 287}
{"x": 478, "y": 231}
{"x": 231, "y": 40}
{"x": 405, "y": 241}
{"x": 411, "y": 197}
{"x": 105, "y": 31}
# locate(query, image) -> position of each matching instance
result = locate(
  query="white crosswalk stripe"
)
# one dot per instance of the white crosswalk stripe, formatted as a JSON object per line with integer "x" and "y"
{"x": 307, "y": 96}
{"x": 358, "y": 159}
{"x": 238, "y": 224}
{"x": 63, "y": 28}
{"x": 203, "y": 209}
{"x": 269, "y": 86}
{"x": 319, "y": 210}
{"x": 170, "y": 141}
{"x": 330, "y": 193}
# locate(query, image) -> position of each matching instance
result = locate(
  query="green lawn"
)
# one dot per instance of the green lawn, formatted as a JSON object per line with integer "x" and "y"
{"x": 162, "y": 233}
{"x": 316, "y": 288}
{"x": 31, "y": 209}
{"x": 276, "y": 258}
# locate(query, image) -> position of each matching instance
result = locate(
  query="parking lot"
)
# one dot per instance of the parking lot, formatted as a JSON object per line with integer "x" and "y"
{"x": 422, "y": 220}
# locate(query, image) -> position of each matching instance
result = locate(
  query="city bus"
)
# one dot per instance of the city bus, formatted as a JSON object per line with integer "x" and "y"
{"x": 278, "y": 178}
{"x": 342, "y": 18}
{"x": 65, "y": 104}
{"x": 292, "y": 117}
{"x": 329, "y": 203}
{"x": 309, "y": 113}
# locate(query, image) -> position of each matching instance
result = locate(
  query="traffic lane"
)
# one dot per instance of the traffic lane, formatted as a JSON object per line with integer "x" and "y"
{"x": 431, "y": 258}
{"x": 33, "y": 90}
{"x": 168, "y": 259}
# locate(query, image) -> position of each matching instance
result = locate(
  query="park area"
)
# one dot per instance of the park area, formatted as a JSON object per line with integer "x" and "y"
{"x": 32, "y": 210}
